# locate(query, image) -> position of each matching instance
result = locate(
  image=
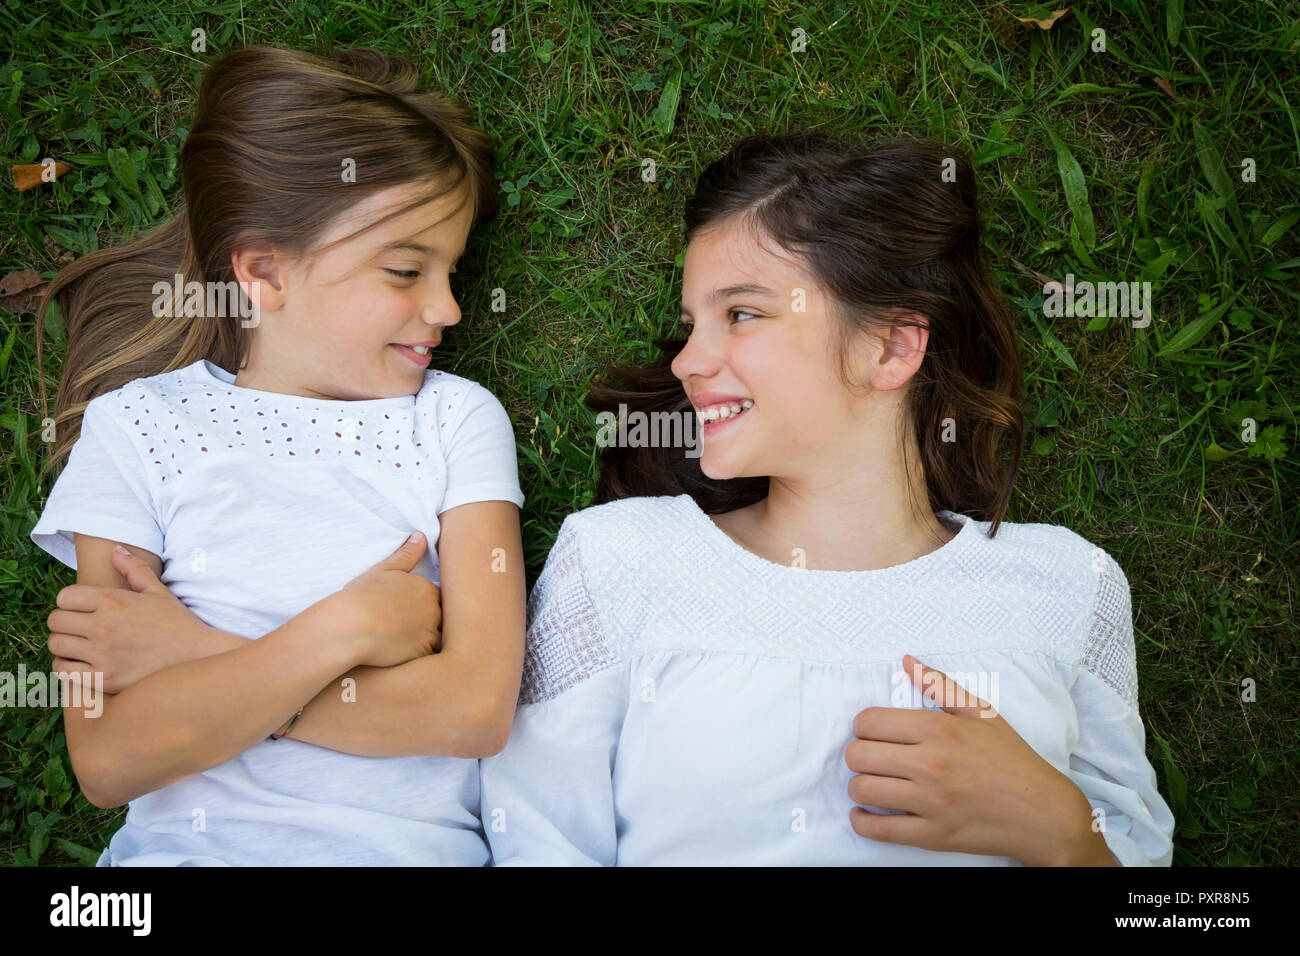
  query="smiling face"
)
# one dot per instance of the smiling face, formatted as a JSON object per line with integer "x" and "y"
{"x": 750, "y": 350}
{"x": 339, "y": 324}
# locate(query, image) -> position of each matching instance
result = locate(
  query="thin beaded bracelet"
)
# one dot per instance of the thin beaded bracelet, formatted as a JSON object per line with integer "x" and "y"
{"x": 290, "y": 727}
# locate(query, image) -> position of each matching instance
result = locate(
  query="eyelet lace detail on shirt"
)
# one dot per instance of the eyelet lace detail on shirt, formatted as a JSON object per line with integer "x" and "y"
{"x": 179, "y": 418}
{"x": 566, "y": 641}
{"x": 1109, "y": 652}
{"x": 655, "y": 571}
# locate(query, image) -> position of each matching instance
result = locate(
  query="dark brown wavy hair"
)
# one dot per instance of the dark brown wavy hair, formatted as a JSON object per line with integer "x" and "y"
{"x": 887, "y": 229}
{"x": 262, "y": 166}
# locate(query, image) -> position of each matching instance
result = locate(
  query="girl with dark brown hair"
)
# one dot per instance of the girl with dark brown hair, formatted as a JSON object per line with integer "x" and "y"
{"x": 701, "y": 641}
{"x": 248, "y": 412}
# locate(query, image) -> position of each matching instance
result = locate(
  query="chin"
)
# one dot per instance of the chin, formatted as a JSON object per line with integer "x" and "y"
{"x": 719, "y": 468}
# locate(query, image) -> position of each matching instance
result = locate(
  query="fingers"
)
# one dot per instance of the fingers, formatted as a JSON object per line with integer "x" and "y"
{"x": 77, "y": 623}
{"x": 78, "y": 670}
{"x": 886, "y": 827}
{"x": 81, "y": 681}
{"x": 898, "y": 725}
{"x": 408, "y": 555}
{"x": 884, "y": 792}
{"x": 71, "y": 647}
{"x": 945, "y": 692}
{"x": 138, "y": 574}
{"x": 80, "y": 597}
{"x": 879, "y": 757}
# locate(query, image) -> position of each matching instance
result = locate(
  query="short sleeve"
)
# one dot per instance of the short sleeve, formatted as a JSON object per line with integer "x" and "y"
{"x": 548, "y": 796}
{"x": 102, "y": 491}
{"x": 478, "y": 445}
{"x": 1109, "y": 762}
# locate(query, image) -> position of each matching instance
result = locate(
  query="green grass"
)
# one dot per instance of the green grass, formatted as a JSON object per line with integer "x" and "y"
{"x": 1087, "y": 166}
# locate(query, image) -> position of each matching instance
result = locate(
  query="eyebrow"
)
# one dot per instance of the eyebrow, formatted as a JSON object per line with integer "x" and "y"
{"x": 414, "y": 247}
{"x": 726, "y": 292}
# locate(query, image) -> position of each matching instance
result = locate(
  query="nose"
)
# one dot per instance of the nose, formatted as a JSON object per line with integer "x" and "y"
{"x": 442, "y": 308}
{"x": 699, "y": 357}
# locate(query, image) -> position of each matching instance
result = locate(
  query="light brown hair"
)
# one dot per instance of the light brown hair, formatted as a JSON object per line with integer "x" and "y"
{"x": 263, "y": 165}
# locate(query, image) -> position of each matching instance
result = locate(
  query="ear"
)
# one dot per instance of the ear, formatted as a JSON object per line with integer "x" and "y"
{"x": 261, "y": 274}
{"x": 901, "y": 353}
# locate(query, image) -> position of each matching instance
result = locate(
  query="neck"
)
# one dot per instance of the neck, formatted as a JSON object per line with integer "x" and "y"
{"x": 253, "y": 374}
{"x": 845, "y": 529}
{"x": 862, "y": 512}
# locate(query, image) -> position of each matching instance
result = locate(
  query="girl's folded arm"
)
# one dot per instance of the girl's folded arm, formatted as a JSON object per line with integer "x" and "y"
{"x": 162, "y": 728}
{"x": 459, "y": 702}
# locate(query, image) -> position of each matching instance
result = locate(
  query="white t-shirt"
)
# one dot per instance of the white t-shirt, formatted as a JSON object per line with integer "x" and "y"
{"x": 685, "y": 701}
{"x": 260, "y": 504}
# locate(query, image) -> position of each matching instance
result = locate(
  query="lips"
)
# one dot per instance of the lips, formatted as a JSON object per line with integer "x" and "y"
{"x": 409, "y": 353}
{"x": 705, "y": 399}
{"x": 709, "y": 426}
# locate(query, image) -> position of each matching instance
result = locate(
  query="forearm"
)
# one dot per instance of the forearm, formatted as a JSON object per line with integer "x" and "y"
{"x": 457, "y": 703}
{"x": 432, "y": 705}
{"x": 421, "y": 707}
{"x": 216, "y": 641}
{"x": 195, "y": 715}
{"x": 439, "y": 704}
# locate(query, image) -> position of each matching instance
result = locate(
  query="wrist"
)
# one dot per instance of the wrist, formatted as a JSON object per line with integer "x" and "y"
{"x": 284, "y": 728}
{"x": 339, "y": 628}
{"x": 204, "y": 640}
{"x": 1088, "y": 848}
{"x": 1073, "y": 840}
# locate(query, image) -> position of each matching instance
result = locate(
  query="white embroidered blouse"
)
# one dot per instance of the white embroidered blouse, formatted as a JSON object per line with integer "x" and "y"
{"x": 685, "y": 701}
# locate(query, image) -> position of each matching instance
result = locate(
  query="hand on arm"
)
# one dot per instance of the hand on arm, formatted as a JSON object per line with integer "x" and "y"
{"x": 454, "y": 704}
{"x": 130, "y": 626}
{"x": 194, "y": 715}
{"x": 461, "y": 701}
{"x": 968, "y": 781}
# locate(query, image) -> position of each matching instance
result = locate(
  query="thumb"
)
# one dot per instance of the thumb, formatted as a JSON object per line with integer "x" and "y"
{"x": 407, "y": 556}
{"x": 138, "y": 574}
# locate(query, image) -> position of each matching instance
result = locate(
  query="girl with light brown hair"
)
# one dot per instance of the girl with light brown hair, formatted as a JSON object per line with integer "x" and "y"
{"x": 282, "y": 702}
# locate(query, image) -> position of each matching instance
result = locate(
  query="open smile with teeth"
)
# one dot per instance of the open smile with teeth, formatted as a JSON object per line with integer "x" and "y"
{"x": 418, "y": 355}
{"x": 723, "y": 411}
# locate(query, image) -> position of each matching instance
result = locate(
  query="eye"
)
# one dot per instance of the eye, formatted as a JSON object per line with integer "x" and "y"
{"x": 404, "y": 273}
{"x": 687, "y": 324}
{"x": 734, "y": 312}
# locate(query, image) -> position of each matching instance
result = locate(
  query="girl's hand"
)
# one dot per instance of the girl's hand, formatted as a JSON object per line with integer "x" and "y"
{"x": 967, "y": 781}
{"x": 396, "y": 616}
{"x": 125, "y": 635}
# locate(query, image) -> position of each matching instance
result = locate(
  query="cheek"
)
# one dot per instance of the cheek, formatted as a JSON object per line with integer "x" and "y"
{"x": 799, "y": 386}
{"x": 778, "y": 368}
{"x": 364, "y": 316}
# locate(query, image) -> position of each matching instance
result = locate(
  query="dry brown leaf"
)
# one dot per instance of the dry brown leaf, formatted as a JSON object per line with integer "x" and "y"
{"x": 19, "y": 289}
{"x": 1164, "y": 85}
{"x": 29, "y": 176}
{"x": 24, "y": 301}
{"x": 18, "y": 281}
{"x": 1030, "y": 22}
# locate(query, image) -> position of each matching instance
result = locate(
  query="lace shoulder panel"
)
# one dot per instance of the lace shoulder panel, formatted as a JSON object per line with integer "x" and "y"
{"x": 567, "y": 641}
{"x": 1109, "y": 651}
